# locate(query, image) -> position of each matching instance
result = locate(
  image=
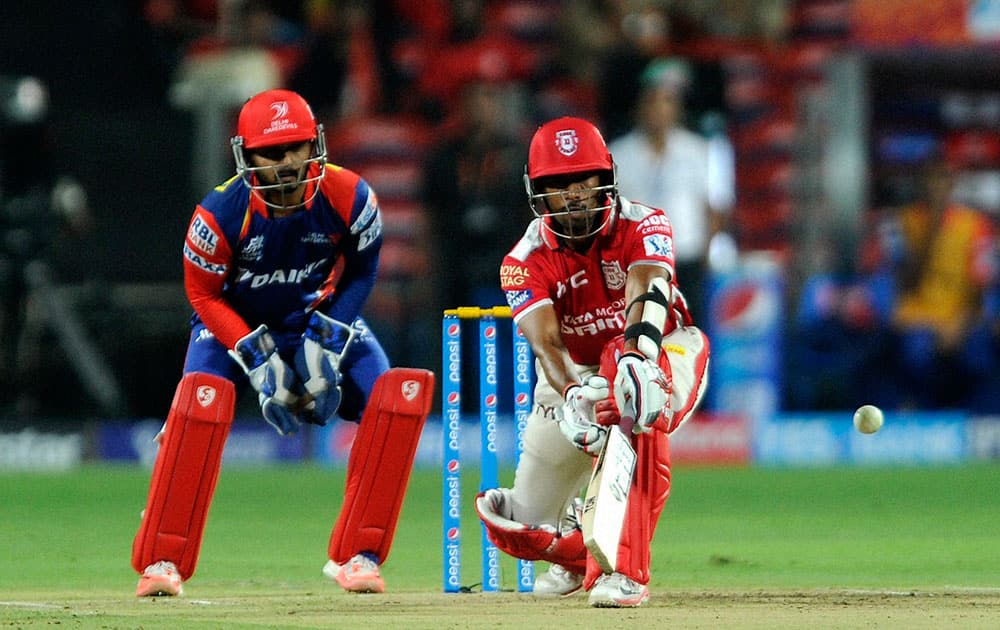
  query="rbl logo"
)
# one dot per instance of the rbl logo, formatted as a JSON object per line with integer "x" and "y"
{"x": 522, "y": 399}
{"x": 453, "y": 330}
{"x": 453, "y": 466}
{"x": 490, "y": 400}
{"x": 490, "y": 332}
{"x": 453, "y": 533}
{"x": 453, "y": 398}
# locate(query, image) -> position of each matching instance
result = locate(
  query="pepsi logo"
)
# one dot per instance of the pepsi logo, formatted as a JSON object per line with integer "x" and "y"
{"x": 454, "y": 330}
{"x": 453, "y": 533}
{"x": 490, "y": 400}
{"x": 521, "y": 399}
{"x": 490, "y": 332}
{"x": 453, "y": 398}
{"x": 453, "y": 466}
{"x": 746, "y": 307}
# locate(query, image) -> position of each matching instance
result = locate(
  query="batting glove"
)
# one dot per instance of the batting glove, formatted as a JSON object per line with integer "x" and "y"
{"x": 317, "y": 362}
{"x": 642, "y": 390}
{"x": 273, "y": 379}
{"x": 576, "y": 414}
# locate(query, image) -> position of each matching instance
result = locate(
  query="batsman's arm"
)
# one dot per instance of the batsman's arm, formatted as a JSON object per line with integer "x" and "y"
{"x": 637, "y": 285}
{"x": 541, "y": 328}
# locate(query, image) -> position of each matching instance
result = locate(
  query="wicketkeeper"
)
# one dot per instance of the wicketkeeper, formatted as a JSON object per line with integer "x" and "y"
{"x": 592, "y": 286}
{"x": 278, "y": 262}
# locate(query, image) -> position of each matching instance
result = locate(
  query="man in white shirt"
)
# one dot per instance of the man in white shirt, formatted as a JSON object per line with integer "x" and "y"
{"x": 672, "y": 168}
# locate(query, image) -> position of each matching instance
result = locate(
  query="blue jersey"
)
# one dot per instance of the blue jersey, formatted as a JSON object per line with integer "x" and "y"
{"x": 244, "y": 268}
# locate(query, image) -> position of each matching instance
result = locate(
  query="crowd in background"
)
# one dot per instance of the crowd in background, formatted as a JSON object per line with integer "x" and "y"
{"x": 432, "y": 101}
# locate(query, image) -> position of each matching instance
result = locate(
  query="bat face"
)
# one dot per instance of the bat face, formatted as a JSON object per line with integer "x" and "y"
{"x": 607, "y": 498}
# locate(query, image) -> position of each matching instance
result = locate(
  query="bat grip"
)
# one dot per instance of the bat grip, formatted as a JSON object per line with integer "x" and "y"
{"x": 626, "y": 425}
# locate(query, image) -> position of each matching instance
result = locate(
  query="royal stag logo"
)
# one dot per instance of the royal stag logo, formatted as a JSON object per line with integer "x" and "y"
{"x": 567, "y": 141}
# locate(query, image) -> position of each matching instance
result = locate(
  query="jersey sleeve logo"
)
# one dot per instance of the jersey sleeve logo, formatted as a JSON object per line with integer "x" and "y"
{"x": 368, "y": 225}
{"x": 517, "y": 298}
{"x": 199, "y": 261}
{"x": 513, "y": 276}
{"x": 658, "y": 245}
{"x": 203, "y": 238}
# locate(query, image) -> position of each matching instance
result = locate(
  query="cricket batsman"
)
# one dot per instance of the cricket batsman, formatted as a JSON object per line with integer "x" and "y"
{"x": 278, "y": 262}
{"x": 592, "y": 286}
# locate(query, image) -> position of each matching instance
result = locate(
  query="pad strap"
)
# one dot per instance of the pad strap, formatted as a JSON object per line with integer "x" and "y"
{"x": 655, "y": 304}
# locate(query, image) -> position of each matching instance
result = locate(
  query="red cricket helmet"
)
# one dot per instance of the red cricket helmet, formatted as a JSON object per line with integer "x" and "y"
{"x": 566, "y": 146}
{"x": 275, "y": 117}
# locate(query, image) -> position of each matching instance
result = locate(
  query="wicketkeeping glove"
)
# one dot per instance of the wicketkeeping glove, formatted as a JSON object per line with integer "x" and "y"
{"x": 317, "y": 363}
{"x": 273, "y": 379}
{"x": 576, "y": 414}
{"x": 642, "y": 390}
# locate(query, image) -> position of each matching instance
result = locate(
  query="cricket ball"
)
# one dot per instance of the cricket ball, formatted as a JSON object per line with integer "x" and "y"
{"x": 868, "y": 419}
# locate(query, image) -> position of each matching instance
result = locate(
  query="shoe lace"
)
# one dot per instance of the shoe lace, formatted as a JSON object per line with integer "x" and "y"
{"x": 362, "y": 562}
{"x": 162, "y": 567}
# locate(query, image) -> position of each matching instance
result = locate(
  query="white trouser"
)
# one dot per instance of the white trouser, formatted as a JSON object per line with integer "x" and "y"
{"x": 552, "y": 471}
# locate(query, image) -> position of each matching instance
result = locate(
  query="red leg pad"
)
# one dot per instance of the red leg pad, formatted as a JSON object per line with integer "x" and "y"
{"x": 184, "y": 476}
{"x": 646, "y": 500}
{"x": 378, "y": 468}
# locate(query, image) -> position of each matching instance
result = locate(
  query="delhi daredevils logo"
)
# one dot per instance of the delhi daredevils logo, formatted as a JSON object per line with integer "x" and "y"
{"x": 453, "y": 465}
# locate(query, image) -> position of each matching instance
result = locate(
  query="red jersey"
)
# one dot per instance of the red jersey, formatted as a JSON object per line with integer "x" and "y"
{"x": 586, "y": 290}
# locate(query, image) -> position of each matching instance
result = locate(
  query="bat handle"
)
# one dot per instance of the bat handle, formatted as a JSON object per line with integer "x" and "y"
{"x": 626, "y": 425}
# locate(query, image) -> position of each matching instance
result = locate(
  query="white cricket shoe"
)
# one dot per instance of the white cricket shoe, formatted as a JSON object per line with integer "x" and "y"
{"x": 618, "y": 591}
{"x": 558, "y": 581}
{"x": 160, "y": 578}
{"x": 360, "y": 575}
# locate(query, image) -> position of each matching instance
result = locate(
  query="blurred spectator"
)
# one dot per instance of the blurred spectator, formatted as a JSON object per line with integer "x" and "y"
{"x": 667, "y": 166}
{"x": 322, "y": 72}
{"x": 644, "y": 35}
{"x": 37, "y": 204}
{"x": 173, "y": 25}
{"x": 941, "y": 258}
{"x": 473, "y": 52}
{"x": 838, "y": 345}
{"x": 475, "y": 212}
{"x": 588, "y": 31}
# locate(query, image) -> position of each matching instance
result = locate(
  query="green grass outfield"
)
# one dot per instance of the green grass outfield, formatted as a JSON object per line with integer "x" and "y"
{"x": 735, "y": 546}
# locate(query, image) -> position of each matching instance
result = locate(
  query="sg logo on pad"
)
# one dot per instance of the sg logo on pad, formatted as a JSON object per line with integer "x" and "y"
{"x": 410, "y": 389}
{"x": 205, "y": 395}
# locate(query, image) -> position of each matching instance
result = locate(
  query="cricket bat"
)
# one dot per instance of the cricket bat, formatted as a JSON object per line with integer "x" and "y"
{"x": 607, "y": 497}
